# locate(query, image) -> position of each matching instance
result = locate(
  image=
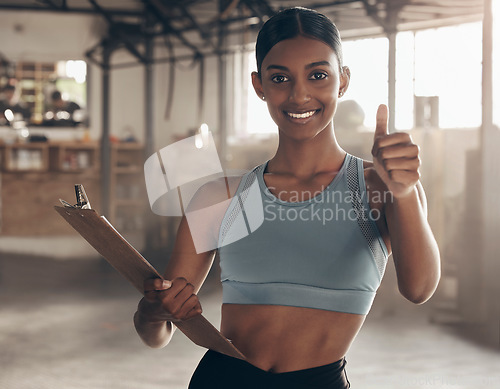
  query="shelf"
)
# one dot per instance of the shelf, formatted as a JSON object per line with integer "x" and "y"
{"x": 74, "y": 156}
{"x": 128, "y": 198}
{"x": 44, "y": 156}
{"x": 25, "y": 157}
{"x": 28, "y": 198}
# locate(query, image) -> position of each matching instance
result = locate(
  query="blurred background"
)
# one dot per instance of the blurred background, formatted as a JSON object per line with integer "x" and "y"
{"x": 90, "y": 88}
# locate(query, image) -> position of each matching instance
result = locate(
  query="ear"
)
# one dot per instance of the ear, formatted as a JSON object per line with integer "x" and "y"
{"x": 257, "y": 85}
{"x": 345, "y": 77}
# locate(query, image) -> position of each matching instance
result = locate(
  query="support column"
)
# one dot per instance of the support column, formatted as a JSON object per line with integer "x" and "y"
{"x": 151, "y": 222}
{"x": 149, "y": 141}
{"x": 487, "y": 81}
{"x": 490, "y": 178}
{"x": 222, "y": 98}
{"x": 390, "y": 26}
{"x": 391, "y": 30}
{"x": 392, "y": 82}
{"x": 105, "y": 142}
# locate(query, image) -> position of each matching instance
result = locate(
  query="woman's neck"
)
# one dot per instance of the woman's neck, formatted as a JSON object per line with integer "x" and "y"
{"x": 304, "y": 158}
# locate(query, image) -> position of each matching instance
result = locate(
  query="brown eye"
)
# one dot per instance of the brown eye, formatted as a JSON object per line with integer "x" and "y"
{"x": 278, "y": 79}
{"x": 319, "y": 76}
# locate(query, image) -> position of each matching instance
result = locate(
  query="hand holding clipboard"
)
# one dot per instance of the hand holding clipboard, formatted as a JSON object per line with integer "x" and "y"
{"x": 108, "y": 242}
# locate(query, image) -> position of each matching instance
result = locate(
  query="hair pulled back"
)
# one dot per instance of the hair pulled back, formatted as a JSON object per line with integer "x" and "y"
{"x": 297, "y": 21}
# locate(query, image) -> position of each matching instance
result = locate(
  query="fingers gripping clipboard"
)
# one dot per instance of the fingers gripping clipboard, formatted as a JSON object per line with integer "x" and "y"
{"x": 108, "y": 242}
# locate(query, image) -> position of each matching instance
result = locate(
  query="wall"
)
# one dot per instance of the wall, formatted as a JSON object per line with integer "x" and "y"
{"x": 184, "y": 112}
{"x": 490, "y": 242}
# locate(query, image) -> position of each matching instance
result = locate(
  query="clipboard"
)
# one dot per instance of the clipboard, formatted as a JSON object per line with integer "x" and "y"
{"x": 108, "y": 242}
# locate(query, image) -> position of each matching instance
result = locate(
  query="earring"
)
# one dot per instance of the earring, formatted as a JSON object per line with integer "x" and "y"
{"x": 263, "y": 97}
{"x": 341, "y": 93}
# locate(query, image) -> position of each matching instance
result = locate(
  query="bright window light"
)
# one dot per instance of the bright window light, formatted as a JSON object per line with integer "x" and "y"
{"x": 77, "y": 70}
{"x": 368, "y": 61}
{"x": 443, "y": 62}
{"x": 496, "y": 63}
{"x": 72, "y": 69}
{"x": 258, "y": 119}
{"x": 448, "y": 65}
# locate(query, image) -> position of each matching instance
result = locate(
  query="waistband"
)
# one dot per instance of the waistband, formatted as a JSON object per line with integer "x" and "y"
{"x": 243, "y": 374}
{"x": 336, "y": 366}
{"x": 296, "y": 295}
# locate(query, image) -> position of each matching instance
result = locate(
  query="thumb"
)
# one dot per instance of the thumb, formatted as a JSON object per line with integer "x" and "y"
{"x": 160, "y": 284}
{"x": 166, "y": 284}
{"x": 382, "y": 115}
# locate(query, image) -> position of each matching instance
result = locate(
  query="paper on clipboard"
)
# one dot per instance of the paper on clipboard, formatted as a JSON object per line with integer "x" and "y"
{"x": 108, "y": 242}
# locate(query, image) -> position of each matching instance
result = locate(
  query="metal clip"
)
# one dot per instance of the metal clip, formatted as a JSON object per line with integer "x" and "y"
{"x": 66, "y": 204}
{"x": 82, "y": 201}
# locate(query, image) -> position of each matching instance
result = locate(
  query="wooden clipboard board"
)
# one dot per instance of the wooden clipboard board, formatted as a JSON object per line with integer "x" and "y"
{"x": 135, "y": 268}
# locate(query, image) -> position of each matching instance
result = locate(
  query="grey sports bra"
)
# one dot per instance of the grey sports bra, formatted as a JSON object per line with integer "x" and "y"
{"x": 325, "y": 252}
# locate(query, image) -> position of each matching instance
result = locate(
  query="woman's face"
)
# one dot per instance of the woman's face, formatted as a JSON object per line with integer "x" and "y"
{"x": 300, "y": 81}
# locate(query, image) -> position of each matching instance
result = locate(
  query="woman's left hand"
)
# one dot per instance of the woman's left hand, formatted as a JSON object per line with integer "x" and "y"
{"x": 395, "y": 157}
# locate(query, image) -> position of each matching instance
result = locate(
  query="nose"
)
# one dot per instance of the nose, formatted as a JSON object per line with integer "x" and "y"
{"x": 299, "y": 93}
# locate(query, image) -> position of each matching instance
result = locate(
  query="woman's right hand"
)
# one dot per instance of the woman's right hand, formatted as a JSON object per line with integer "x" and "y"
{"x": 166, "y": 300}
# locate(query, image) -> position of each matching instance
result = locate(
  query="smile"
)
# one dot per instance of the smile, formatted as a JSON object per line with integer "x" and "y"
{"x": 304, "y": 115}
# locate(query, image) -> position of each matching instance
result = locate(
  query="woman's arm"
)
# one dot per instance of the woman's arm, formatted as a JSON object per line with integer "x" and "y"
{"x": 174, "y": 299}
{"x": 414, "y": 248}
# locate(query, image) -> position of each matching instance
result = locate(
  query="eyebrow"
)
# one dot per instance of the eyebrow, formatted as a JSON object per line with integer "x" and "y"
{"x": 309, "y": 66}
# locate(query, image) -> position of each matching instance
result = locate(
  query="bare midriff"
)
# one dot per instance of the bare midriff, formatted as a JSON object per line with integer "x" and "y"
{"x": 280, "y": 338}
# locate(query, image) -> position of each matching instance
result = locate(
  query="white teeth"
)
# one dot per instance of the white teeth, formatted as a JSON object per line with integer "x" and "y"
{"x": 301, "y": 115}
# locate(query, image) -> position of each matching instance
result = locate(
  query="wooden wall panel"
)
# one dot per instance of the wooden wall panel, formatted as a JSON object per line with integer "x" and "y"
{"x": 28, "y": 200}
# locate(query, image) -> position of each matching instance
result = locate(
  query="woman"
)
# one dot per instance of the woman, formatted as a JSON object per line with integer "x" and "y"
{"x": 297, "y": 289}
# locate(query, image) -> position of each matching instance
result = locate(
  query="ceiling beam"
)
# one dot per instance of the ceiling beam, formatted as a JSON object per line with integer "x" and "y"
{"x": 265, "y": 7}
{"x": 204, "y": 34}
{"x": 50, "y": 3}
{"x": 333, "y": 4}
{"x": 68, "y": 9}
{"x": 373, "y": 12}
{"x": 446, "y": 3}
{"x": 116, "y": 30}
{"x": 161, "y": 12}
{"x": 437, "y": 10}
{"x": 259, "y": 8}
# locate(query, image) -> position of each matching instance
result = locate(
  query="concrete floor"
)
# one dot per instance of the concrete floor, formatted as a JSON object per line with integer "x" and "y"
{"x": 68, "y": 325}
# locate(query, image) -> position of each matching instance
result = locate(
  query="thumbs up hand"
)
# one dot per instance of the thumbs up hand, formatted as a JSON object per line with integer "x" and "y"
{"x": 395, "y": 157}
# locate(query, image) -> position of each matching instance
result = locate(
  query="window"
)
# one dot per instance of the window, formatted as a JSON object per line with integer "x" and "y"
{"x": 368, "y": 60}
{"x": 442, "y": 64}
{"x": 448, "y": 65}
{"x": 258, "y": 120}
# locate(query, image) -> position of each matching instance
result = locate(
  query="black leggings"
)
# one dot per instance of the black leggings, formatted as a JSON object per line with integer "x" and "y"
{"x": 220, "y": 371}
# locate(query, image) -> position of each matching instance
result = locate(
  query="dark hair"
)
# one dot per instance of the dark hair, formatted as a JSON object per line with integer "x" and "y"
{"x": 56, "y": 95}
{"x": 297, "y": 21}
